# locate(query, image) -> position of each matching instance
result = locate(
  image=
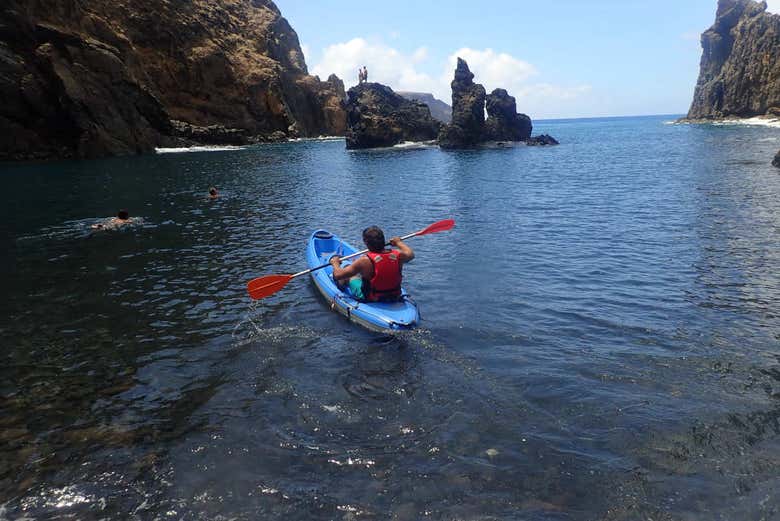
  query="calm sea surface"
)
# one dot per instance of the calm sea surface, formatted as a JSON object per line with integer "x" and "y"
{"x": 600, "y": 334}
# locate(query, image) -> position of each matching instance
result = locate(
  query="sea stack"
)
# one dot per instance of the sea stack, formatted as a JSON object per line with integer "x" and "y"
{"x": 468, "y": 111}
{"x": 504, "y": 123}
{"x": 469, "y": 129}
{"x": 740, "y": 65}
{"x": 88, "y": 78}
{"x": 378, "y": 117}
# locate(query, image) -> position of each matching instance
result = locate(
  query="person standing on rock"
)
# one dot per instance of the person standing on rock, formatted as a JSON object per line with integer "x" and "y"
{"x": 365, "y": 74}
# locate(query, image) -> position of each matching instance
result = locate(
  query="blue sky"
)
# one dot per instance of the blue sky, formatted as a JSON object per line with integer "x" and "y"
{"x": 570, "y": 58}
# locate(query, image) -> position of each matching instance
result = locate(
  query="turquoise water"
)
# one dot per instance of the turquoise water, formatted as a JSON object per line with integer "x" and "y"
{"x": 599, "y": 336}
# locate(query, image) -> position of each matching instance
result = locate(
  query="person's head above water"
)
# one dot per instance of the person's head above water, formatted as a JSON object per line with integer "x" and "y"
{"x": 123, "y": 215}
{"x": 213, "y": 191}
{"x": 374, "y": 238}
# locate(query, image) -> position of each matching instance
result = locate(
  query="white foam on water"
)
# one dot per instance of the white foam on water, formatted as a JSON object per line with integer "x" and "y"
{"x": 758, "y": 121}
{"x": 182, "y": 150}
{"x": 410, "y": 145}
{"x": 753, "y": 122}
{"x": 318, "y": 138}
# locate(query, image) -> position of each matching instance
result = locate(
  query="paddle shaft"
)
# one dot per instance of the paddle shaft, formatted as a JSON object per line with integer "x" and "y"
{"x": 357, "y": 253}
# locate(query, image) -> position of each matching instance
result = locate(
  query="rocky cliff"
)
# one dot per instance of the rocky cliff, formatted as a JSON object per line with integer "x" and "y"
{"x": 740, "y": 65}
{"x": 85, "y": 78}
{"x": 378, "y": 117}
{"x": 439, "y": 110}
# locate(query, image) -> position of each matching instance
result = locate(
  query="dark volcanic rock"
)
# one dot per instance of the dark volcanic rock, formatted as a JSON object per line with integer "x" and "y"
{"x": 542, "y": 140}
{"x": 504, "y": 123}
{"x": 776, "y": 160}
{"x": 469, "y": 128}
{"x": 211, "y": 135}
{"x": 468, "y": 111}
{"x": 740, "y": 64}
{"x": 439, "y": 110}
{"x": 88, "y": 78}
{"x": 378, "y": 117}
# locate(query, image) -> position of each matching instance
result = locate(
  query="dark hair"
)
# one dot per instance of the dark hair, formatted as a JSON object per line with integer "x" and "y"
{"x": 374, "y": 238}
{"x": 212, "y": 191}
{"x": 123, "y": 214}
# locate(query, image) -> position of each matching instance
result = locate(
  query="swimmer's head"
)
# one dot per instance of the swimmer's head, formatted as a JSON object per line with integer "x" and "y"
{"x": 123, "y": 215}
{"x": 213, "y": 191}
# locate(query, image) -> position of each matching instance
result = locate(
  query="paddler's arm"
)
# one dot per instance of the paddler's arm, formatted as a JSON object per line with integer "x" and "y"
{"x": 407, "y": 253}
{"x": 340, "y": 273}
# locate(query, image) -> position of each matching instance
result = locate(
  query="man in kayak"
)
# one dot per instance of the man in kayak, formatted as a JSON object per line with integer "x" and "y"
{"x": 375, "y": 276}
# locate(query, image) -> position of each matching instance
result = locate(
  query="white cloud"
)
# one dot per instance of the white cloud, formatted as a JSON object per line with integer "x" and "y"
{"x": 407, "y": 72}
{"x": 385, "y": 64}
{"x": 773, "y": 6}
{"x": 493, "y": 69}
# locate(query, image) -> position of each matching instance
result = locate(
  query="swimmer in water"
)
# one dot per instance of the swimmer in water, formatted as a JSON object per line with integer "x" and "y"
{"x": 122, "y": 217}
{"x": 213, "y": 193}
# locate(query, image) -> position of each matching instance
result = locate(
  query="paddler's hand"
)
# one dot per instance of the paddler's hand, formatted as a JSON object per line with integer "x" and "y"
{"x": 395, "y": 241}
{"x": 335, "y": 261}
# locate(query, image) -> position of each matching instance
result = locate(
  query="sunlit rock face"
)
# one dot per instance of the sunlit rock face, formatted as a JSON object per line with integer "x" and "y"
{"x": 740, "y": 64}
{"x": 86, "y": 78}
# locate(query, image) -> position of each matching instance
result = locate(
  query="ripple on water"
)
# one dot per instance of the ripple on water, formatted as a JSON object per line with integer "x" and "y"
{"x": 599, "y": 336}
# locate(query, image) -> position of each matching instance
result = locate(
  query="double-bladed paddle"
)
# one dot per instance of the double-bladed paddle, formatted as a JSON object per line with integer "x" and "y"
{"x": 262, "y": 287}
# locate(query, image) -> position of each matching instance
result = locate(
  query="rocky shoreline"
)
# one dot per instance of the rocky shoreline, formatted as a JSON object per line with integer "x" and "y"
{"x": 92, "y": 78}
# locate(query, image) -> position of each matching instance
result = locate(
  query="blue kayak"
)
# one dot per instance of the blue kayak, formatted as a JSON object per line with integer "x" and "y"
{"x": 377, "y": 316}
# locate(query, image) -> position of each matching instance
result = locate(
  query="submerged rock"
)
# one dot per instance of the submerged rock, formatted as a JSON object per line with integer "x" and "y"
{"x": 542, "y": 140}
{"x": 378, "y": 117}
{"x": 740, "y": 64}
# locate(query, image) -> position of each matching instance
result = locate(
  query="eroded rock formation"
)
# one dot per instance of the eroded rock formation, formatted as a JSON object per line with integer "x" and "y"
{"x": 378, "y": 117}
{"x": 468, "y": 111}
{"x": 469, "y": 128}
{"x": 740, "y": 64}
{"x": 503, "y": 122}
{"x": 84, "y": 78}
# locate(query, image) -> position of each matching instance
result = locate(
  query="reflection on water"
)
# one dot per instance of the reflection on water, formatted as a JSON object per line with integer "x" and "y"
{"x": 599, "y": 336}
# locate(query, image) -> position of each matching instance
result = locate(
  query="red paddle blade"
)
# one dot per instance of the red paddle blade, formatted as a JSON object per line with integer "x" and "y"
{"x": 441, "y": 226}
{"x": 262, "y": 287}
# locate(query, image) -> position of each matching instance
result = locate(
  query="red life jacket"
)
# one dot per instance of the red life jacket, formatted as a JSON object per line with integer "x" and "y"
{"x": 385, "y": 285}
